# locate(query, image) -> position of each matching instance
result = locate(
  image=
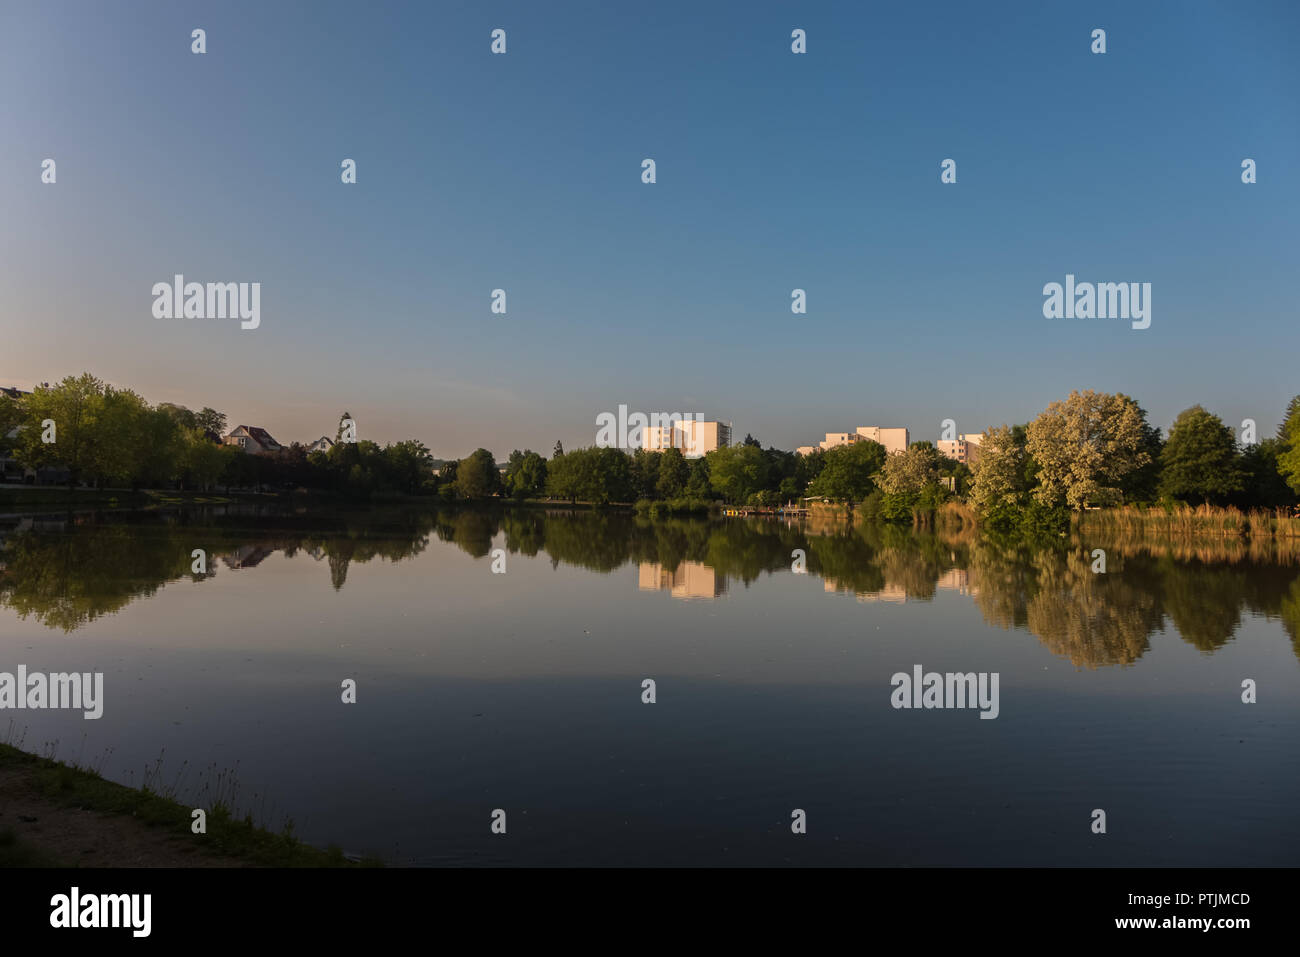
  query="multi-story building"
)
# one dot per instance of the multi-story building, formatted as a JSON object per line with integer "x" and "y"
{"x": 895, "y": 440}
{"x": 964, "y": 448}
{"x": 834, "y": 439}
{"x": 691, "y": 437}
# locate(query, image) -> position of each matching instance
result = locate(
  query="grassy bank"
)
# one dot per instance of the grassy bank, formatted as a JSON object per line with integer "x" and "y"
{"x": 1205, "y": 521}
{"x": 53, "y": 814}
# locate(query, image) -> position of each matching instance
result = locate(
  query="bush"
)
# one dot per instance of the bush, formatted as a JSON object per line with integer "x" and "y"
{"x": 1044, "y": 521}
{"x": 898, "y": 506}
{"x": 872, "y": 507}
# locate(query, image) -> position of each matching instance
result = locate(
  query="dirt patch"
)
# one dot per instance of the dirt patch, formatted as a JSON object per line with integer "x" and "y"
{"x": 68, "y": 836}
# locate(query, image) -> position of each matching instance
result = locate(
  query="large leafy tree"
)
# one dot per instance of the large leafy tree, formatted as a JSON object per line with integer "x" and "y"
{"x": 1199, "y": 461}
{"x": 212, "y": 420}
{"x": 1000, "y": 472}
{"x": 525, "y": 474}
{"x": 477, "y": 475}
{"x": 848, "y": 472}
{"x": 911, "y": 471}
{"x": 406, "y": 465}
{"x": 698, "y": 482}
{"x": 645, "y": 473}
{"x": 674, "y": 471}
{"x": 1085, "y": 447}
{"x": 597, "y": 475}
{"x": 1264, "y": 485}
{"x": 74, "y": 406}
{"x": 737, "y": 471}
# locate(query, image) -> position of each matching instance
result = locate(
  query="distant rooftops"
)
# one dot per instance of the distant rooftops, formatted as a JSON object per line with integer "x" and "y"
{"x": 251, "y": 438}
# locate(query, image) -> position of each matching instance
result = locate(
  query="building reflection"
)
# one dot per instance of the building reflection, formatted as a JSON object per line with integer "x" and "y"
{"x": 687, "y": 580}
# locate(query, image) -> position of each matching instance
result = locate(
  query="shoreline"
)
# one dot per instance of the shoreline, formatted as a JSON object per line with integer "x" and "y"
{"x": 54, "y": 814}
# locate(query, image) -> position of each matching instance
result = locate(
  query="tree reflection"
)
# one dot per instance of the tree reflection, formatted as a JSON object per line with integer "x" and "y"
{"x": 66, "y": 571}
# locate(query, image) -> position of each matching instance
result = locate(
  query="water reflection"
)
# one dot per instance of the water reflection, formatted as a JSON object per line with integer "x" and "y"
{"x": 687, "y": 580}
{"x": 68, "y": 570}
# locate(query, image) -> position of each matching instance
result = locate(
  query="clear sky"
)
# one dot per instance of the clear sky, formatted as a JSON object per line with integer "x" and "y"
{"x": 775, "y": 171}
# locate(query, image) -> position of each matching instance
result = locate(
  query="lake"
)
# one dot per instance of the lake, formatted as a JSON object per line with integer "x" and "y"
{"x": 521, "y": 689}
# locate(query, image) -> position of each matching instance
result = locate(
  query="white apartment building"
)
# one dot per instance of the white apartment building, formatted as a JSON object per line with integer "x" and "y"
{"x": 964, "y": 448}
{"x": 691, "y": 437}
{"x": 837, "y": 438}
{"x": 895, "y": 440}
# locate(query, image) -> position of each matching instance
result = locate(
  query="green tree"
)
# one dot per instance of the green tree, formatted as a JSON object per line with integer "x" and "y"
{"x": 525, "y": 474}
{"x": 698, "y": 483}
{"x": 1000, "y": 472}
{"x": 182, "y": 416}
{"x": 477, "y": 475}
{"x": 848, "y": 472}
{"x": 1085, "y": 447}
{"x": 1200, "y": 459}
{"x": 563, "y": 476}
{"x": 1143, "y": 483}
{"x": 737, "y": 471}
{"x": 1263, "y": 484}
{"x": 1288, "y": 459}
{"x": 212, "y": 420}
{"x": 645, "y": 473}
{"x": 73, "y": 406}
{"x": 610, "y": 476}
{"x": 674, "y": 472}
{"x": 203, "y": 460}
{"x": 911, "y": 471}
{"x": 407, "y": 465}
{"x": 809, "y": 466}
{"x": 597, "y": 475}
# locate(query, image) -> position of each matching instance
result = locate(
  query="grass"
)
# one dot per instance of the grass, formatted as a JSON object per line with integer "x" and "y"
{"x": 1188, "y": 521}
{"x": 153, "y": 804}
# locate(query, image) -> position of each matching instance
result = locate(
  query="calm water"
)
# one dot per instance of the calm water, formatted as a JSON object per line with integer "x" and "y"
{"x": 522, "y": 690}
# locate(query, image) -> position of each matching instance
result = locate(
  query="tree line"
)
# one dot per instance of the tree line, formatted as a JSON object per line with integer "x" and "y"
{"x": 1091, "y": 449}
{"x": 111, "y": 437}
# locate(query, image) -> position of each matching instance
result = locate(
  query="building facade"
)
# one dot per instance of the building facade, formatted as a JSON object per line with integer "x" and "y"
{"x": 251, "y": 439}
{"x": 964, "y": 448}
{"x": 895, "y": 440}
{"x": 692, "y": 438}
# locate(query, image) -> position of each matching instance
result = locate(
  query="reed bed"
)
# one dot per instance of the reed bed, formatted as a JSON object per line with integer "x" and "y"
{"x": 1202, "y": 521}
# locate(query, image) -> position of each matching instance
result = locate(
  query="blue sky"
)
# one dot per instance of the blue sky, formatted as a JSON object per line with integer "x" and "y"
{"x": 775, "y": 171}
